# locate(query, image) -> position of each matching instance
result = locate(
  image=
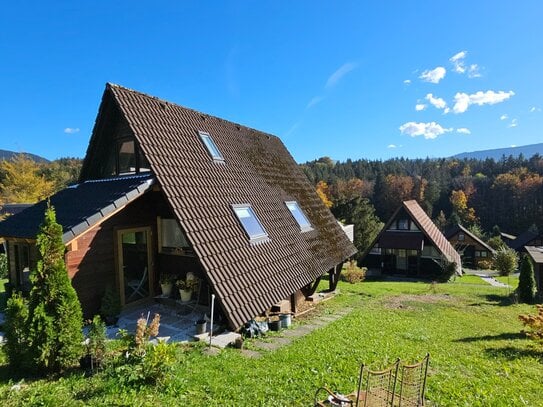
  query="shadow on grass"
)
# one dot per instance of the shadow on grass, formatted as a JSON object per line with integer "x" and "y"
{"x": 494, "y": 299}
{"x": 512, "y": 353}
{"x": 501, "y": 337}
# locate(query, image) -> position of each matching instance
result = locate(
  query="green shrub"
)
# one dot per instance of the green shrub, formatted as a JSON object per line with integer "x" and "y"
{"x": 111, "y": 304}
{"x": 353, "y": 274}
{"x": 448, "y": 272}
{"x": 505, "y": 261}
{"x": 96, "y": 342}
{"x": 143, "y": 363}
{"x": 526, "y": 283}
{"x": 16, "y": 346}
{"x": 3, "y": 266}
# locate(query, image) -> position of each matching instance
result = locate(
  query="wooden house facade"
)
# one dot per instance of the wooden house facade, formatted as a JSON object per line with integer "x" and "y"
{"x": 472, "y": 250}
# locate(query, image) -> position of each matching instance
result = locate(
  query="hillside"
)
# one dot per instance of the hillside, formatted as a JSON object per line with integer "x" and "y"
{"x": 497, "y": 153}
{"x": 7, "y": 155}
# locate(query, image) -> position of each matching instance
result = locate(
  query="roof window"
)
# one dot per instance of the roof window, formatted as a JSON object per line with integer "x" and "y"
{"x": 250, "y": 223}
{"x": 297, "y": 213}
{"x": 211, "y": 146}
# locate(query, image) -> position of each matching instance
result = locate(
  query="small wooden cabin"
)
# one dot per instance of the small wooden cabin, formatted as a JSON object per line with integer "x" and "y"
{"x": 472, "y": 250}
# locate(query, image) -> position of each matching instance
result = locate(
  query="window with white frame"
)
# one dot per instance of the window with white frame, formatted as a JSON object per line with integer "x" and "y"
{"x": 299, "y": 216}
{"x": 250, "y": 222}
{"x": 211, "y": 146}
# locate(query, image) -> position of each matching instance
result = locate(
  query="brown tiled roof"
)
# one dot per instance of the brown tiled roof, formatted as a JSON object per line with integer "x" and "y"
{"x": 431, "y": 231}
{"x": 257, "y": 169}
{"x": 453, "y": 231}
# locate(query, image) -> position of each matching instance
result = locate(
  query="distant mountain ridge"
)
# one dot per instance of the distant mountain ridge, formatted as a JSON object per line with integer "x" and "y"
{"x": 8, "y": 155}
{"x": 497, "y": 153}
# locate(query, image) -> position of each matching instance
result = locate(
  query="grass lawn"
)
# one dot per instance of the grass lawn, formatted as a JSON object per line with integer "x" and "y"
{"x": 478, "y": 356}
{"x": 3, "y": 298}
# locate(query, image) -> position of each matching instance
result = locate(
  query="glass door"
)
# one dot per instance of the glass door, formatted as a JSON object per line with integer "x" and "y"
{"x": 134, "y": 264}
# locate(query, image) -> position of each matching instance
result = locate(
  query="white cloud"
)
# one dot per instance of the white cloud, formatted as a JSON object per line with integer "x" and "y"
{"x": 438, "y": 103}
{"x": 458, "y": 62}
{"x": 428, "y": 130}
{"x": 504, "y": 117}
{"x": 71, "y": 130}
{"x": 420, "y": 106}
{"x": 314, "y": 101}
{"x": 434, "y": 75}
{"x": 513, "y": 145}
{"x": 473, "y": 71}
{"x": 391, "y": 146}
{"x": 514, "y": 123}
{"x": 339, "y": 73}
{"x": 462, "y": 100}
{"x": 407, "y": 81}
{"x": 534, "y": 109}
{"x": 463, "y": 130}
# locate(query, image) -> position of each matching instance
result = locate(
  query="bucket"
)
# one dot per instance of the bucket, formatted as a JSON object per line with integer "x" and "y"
{"x": 201, "y": 327}
{"x": 274, "y": 325}
{"x": 285, "y": 320}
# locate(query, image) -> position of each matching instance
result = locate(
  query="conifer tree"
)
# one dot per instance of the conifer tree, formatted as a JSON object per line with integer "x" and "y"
{"x": 526, "y": 282}
{"x": 54, "y": 315}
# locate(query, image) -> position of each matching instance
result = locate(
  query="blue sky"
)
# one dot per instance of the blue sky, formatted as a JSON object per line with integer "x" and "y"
{"x": 345, "y": 79}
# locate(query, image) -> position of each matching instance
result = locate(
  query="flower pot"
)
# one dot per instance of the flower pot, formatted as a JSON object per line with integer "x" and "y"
{"x": 201, "y": 327}
{"x": 274, "y": 325}
{"x": 185, "y": 295}
{"x": 166, "y": 289}
{"x": 286, "y": 320}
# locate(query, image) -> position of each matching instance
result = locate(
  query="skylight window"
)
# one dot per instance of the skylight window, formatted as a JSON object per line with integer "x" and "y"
{"x": 211, "y": 147}
{"x": 297, "y": 213}
{"x": 250, "y": 222}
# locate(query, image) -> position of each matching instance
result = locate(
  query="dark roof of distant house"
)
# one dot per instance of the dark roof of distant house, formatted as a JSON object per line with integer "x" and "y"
{"x": 507, "y": 236}
{"x": 536, "y": 253}
{"x": 12, "y": 209}
{"x": 78, "y": 207}
{"x": 257, "y": 170}
{"x": 452, "y": 231}
{"x": 523, "y": 240}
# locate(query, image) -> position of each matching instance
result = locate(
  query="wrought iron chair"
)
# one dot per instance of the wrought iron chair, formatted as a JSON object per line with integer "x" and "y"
{"x": 412, "y": 383}
{"x": 378, "y": 390}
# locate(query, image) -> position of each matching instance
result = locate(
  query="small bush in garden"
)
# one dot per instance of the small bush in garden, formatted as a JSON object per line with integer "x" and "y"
{"x": 3, "y": 266}
{"x": 96, "y": 342}
{"x": 448, "y": 273}
{"x": 353, "y": 274}
{"x": 16, "y": 346}
{"x": 534, "y": 323}
{"x": 505, "y": 261}
{"x": 143, "y": 362}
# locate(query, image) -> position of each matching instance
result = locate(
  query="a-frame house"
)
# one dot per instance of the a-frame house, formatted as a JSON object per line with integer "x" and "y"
{"x": 166, "y": 189}
{"x": 410, "y": 244}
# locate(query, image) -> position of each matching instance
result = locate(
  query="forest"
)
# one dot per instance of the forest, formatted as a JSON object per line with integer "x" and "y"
{"x": 483, "y": 195}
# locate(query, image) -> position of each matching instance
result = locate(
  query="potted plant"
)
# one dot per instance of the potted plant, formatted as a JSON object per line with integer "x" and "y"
{"x": 111, "y": 306}
{"x": 166, "y": 284}
{"x": 185, "y": 289}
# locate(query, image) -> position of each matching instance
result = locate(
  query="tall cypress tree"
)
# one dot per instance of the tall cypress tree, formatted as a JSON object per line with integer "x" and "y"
{"x": 54, "y": 317}
{"x": 526, "y": 282}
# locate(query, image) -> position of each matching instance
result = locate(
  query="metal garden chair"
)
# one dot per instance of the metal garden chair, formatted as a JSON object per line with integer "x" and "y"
{"x": 412, "y": 383}
{"x": 376, "y": 388}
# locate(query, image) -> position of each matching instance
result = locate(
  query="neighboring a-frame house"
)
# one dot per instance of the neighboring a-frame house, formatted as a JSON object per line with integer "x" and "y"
{"x": 166, "y": 189}
{"x": 411, "y": 244}
{"x": 472, "y": 250}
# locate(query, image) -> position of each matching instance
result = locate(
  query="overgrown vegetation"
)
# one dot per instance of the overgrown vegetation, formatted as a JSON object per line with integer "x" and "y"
{"x": 478, "y": 355}
{"x": 534, "y": 323}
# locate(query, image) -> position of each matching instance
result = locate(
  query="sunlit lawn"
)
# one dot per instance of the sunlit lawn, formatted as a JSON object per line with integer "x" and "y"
{"x": 478, "y": 356}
